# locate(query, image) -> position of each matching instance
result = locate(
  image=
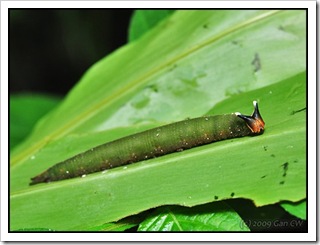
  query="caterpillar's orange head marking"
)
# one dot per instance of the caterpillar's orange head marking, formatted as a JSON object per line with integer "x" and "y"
{"x": 255, "y": 121}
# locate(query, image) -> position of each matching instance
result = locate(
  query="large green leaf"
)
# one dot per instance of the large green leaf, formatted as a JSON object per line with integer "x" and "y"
{"x": 247, "y": 167}
{"x": 180, "y": 69}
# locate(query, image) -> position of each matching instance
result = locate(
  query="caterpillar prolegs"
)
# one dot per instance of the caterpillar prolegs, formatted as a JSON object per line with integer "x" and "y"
{"x": 156, "y": 142}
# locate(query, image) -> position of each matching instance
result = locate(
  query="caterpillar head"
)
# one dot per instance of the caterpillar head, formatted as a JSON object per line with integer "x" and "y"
{"x": 255, "y": 121}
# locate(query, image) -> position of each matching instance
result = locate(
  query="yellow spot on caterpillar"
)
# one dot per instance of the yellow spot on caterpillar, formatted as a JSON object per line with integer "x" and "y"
{"x": 205, "y": 136}
{"x": 158, "y": 149}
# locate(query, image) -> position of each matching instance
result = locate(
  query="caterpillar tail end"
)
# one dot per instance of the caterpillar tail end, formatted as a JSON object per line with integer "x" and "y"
{"x": 255, "y": 121}
{"x": 41, "y": 178}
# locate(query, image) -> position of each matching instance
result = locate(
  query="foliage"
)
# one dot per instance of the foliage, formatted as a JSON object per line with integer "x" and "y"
{"x": 190, "y": 64}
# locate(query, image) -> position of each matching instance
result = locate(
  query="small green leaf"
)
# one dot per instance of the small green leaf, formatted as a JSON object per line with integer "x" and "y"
{"x": 297, "y": 209}
{"x": 25, "y": 111}
{"x": 144, "y": 20}
{"x": 216, "y": 216}
{"x": 258, "y": 219}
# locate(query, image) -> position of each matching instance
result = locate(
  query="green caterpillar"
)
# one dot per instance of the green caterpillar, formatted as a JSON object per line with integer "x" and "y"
{"x": 156, "y": 142}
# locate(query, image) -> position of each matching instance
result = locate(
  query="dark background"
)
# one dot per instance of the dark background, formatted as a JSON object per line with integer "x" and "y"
{"x": 50, "y": 49}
